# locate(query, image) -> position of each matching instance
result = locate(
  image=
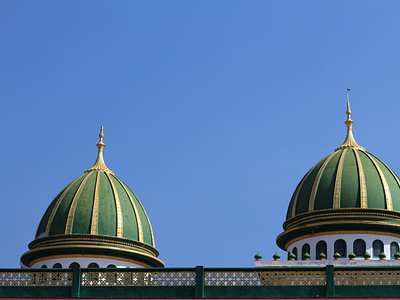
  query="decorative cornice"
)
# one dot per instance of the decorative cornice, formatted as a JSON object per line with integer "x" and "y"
{"x": 343, "y": 213}
{"x": 86, "y": 244}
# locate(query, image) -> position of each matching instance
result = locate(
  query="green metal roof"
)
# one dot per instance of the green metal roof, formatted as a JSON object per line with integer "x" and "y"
{"x": 97, "y": 203}
{"x": 348, "y": 178}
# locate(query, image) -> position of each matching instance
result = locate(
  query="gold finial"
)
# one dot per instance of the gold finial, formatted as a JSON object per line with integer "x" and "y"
{"x": 349, "y": 141}
{"x": 100, "y": 165}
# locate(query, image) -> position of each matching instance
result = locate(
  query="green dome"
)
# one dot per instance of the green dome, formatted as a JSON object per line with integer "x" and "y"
{"x": 346, "y": 178}
{"x": 97, "y": 203}
{"x": 349, "y": 190}
{"x": 96, "y": 214}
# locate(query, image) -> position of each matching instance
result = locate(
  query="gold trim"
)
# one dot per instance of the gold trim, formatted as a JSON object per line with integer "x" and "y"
{"x": 311, "y": 202}
{"x": 120, "y": 225}
{"x": 100, "y": 165}
{"x": 148, "y": 221}
{"x": 315, "y": 224}
{"x": 71, "y": 212}
{"x": 348, "y": 211}
{"x": 53, "y": 212}
{"x": 128, "y": 248}
{"x": 138, "y": 220}
{"x": 349, "y": 141}
{"x": 94, "y": 239}
{"x": 338, "y": 181}
{"x": 333, "y": 216}
{"x": 391, "y": 171}
{"x": 388, "y": 196}
{"x": 87, "y": 256}
{"x": 95, "y": 211}
{"x": 298, "y": 192}
{"x": 94, "y": 247}
{"x": 363, "y": 185}
{"x": 292, "y": 241}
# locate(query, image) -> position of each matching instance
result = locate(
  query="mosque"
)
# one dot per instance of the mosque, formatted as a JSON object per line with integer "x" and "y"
{"x": 341, "y": 235}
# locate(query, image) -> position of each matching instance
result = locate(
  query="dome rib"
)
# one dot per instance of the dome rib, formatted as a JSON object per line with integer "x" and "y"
{"x": 55, "y": 208}
{"x": 120, "y": 222}
{"x": 338, "y": 181}
{"x": 362, "y": 184}
{"x": 139, "y": 222}
{"x": 152, "y": 242}
{"x": 298, "y": 190}
{"x": 95, "y": 210}
{"x": 388, "y": 196}
{"x": 71, "y": 212}
{"x": 311, "y": 202}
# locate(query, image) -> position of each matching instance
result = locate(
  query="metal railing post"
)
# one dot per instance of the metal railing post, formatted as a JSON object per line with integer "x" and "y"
{"x": 76, "y": 282}
{"x": 199, "y": 288}
{"x": 330, "y": 281}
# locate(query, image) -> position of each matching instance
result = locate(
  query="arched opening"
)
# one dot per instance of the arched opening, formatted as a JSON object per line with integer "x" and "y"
{"x": 321, "y": 248}
{"x": 57, "y": 266}
{"x": 359, "y": 247}
{"x": 93, "y": 265}
{"x": 295, "y": 252}
{"x": 111, "y": 266}
{"x": 74, "y": 265}
{"x": 377, "y": 248}
{"x": 394, "y": 248}
{"x": 305, "y": 249}
{"x": 341, "y": 248}
{"x": 43, "y": 267}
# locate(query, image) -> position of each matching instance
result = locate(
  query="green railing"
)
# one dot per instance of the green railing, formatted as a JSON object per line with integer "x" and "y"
{"x": 202, "y": 282}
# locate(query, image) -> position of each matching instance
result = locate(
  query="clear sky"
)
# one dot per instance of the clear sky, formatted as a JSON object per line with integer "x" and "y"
{"x": 212, "y": 110}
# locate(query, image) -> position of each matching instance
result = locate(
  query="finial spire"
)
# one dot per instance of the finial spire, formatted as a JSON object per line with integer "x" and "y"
{"x": 349, "y": 141}
{"x": 100, "y": 165}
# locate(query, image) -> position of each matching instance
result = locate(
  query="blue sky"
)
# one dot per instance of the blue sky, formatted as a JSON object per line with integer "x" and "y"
{"x": 212, "y": 110}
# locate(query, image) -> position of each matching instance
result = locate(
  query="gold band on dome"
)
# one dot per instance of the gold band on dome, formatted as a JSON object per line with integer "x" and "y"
{"x": 71, "y": 212}
{"x": 139, "y": 222}
{"x": 316, "y": 182}
{"x": 379, "y": 213}
{"x": 388, "y": 196}
{"x": 53, "y": 212}
{"x": 363, "y": 185}
{"x": 338, "y": 181}
{"x": 95, "y": 211}
{"x": 393, "y": 174}
{"x": 120, "y": 225}
{"x": 98, "y": 242}
{"x": 297, "y": 195}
